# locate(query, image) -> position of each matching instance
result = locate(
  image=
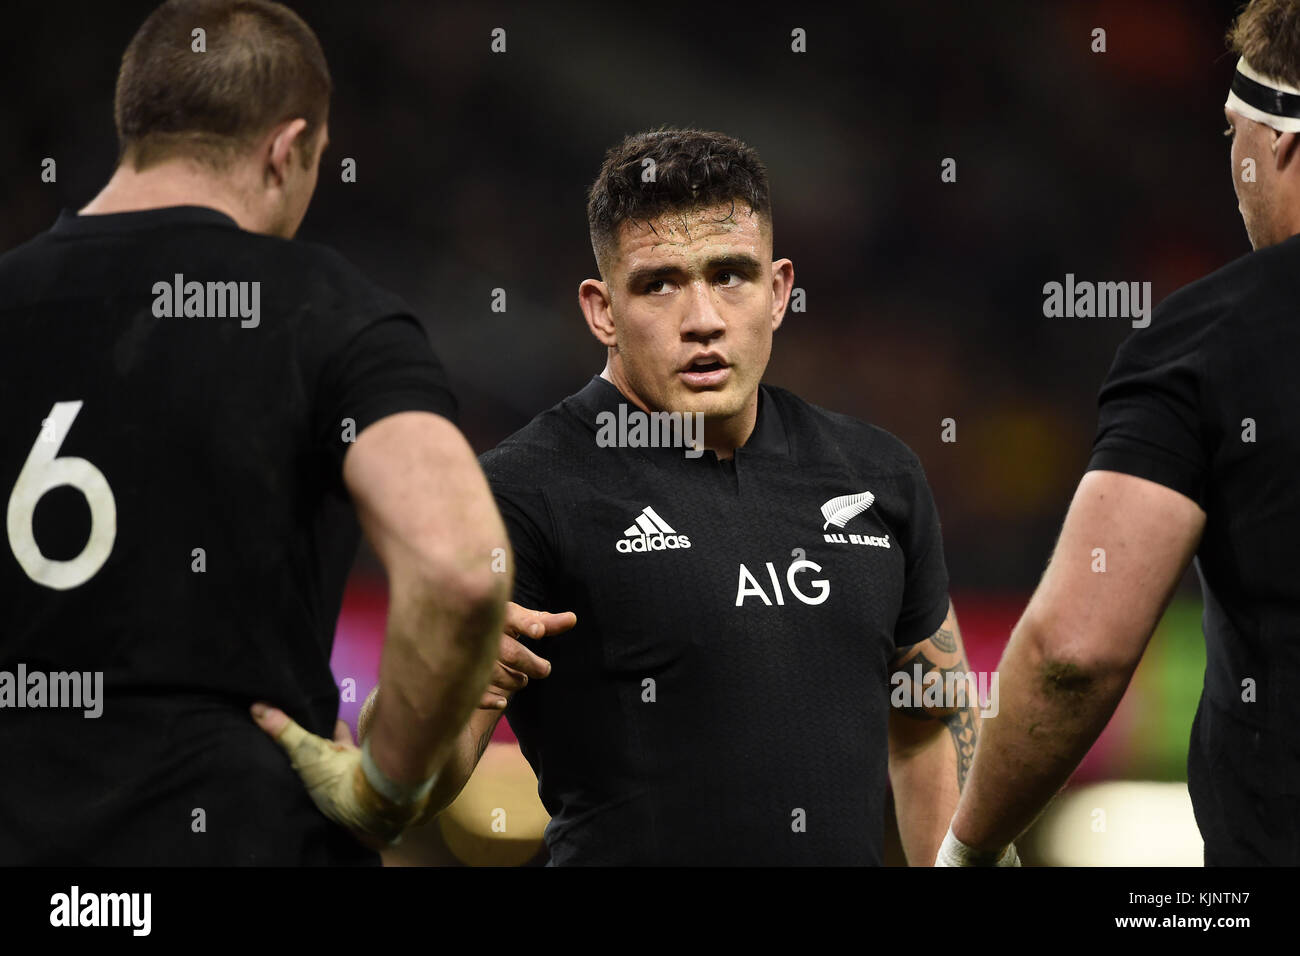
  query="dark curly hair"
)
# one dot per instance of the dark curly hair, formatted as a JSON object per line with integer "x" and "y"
{"x": 1267, "y": 34}
{"x": 692, "y": 169}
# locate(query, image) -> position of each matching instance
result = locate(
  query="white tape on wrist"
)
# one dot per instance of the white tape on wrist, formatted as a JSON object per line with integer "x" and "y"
{"x": 401, "y": 794}
{"x": 952, "y": 852}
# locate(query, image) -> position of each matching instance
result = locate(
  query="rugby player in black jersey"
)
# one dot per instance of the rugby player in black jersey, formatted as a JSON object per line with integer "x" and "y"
{"x": 723, "y": 695}
{"x": 1195, "y": 454}
{"x": 197, "y": 411}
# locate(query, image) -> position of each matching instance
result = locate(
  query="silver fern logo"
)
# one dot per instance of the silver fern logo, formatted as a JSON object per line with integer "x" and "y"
{"x": 840, "y": 511}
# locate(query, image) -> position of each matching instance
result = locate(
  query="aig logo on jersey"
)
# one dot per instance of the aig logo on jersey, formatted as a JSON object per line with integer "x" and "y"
{"x": 749, "y": 586}
{"x": 840, "y": 511}
{"x": 651, "y": 533}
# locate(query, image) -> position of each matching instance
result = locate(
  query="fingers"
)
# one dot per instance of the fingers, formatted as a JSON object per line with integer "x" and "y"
{"x": 342, "y": 733}
{"x": 518, "y": 619}
{"x": 514, "y": 660}
{"x": 292, "y": 737}
{"x": 507, "y": 680}
{"x": 512, "y": 655}
{"x": 272, "y": 720}
{"x": 553, "y": 624}
{"x": 332, "y": 774}
{"x": 525, "y": 622}
{"x": 301, "y": 746}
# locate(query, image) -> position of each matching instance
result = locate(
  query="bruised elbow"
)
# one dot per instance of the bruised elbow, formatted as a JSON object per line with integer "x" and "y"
{"x": 1067, "y": 678}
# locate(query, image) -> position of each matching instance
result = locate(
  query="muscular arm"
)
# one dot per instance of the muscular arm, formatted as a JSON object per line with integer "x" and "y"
{"x": 425, "y": 507}
{"x": 930, "y": 748}
{"x": 470, "y": 747}
{"x": 516, "y": 665}
{"x": 1073, "y": 652}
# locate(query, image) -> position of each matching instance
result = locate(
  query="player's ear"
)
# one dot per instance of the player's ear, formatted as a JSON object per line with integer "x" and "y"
{"x": 782, "y": 285}
{"x": 593, "y": 299}
{"x": 1285, "y": 150}
{"x": 279, "y": 150}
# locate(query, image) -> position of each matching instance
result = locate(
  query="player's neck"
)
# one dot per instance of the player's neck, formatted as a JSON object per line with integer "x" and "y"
{"x": 722, "y": 436}
{"x": 167, "y": 184}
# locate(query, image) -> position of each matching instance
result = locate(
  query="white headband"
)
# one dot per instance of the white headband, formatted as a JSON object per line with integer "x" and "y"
{"x": 1264, "y": 100}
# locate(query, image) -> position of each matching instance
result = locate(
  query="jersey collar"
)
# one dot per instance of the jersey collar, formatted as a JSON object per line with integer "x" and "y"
{"x": 768, "y": 438}
{"x": 71, "y": 224}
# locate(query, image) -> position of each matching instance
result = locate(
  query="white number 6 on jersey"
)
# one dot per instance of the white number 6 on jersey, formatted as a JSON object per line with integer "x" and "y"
{"x": 43, "y": 472}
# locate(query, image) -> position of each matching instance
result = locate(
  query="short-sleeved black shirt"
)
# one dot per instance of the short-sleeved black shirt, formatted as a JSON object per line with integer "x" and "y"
{"x": 1206, "y": 401}
{"x": 217, "y": 442}
{"x": 724, "y": 698}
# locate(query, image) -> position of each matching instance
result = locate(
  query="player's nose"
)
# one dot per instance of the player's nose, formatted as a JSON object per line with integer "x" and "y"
{"x": 702, "y": 318}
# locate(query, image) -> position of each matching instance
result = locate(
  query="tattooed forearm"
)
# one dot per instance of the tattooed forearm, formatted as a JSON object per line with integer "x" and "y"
{"x": 950, "y": 696}
{"x": 962, "y": 727}
{"x": 944, "y": 639}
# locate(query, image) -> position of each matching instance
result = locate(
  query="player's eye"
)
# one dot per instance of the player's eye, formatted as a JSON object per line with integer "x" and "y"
{"x": 656, "y": 286}
{"x": 724, "y": 278}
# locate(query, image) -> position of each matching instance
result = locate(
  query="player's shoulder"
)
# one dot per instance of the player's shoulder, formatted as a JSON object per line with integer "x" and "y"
{"x": 1255, "y": 289}
{"x": 547, "y": 446}
{"x": 24, "y": 251}
{"x": 295, "y": 273}
{"x": 19, "y": 264}
{"x": 334, "y": 281}
{"x": 822, "y": 433}
{"x": 1273, "y": 265}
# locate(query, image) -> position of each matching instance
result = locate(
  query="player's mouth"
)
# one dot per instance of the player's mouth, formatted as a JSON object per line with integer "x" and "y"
{"x": 707, "y": 370}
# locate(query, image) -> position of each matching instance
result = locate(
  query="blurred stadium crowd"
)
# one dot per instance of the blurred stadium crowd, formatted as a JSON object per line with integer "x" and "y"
{"x": 924, "y": 298}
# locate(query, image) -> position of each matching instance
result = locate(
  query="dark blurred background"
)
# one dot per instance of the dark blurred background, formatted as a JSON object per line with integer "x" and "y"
{"x": 924, "y": 298}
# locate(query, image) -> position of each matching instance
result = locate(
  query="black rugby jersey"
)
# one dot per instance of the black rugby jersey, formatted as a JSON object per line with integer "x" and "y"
{"x": 724, "y": 698}
{"x": 1205, "y": 401}
{"x": 197, "y": 552}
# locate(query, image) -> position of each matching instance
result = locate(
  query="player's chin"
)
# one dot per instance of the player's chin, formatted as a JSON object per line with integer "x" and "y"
{"x": 721, "y": 401}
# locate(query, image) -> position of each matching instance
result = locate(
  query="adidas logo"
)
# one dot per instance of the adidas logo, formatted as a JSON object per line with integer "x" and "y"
{"x": 651, "y": 533}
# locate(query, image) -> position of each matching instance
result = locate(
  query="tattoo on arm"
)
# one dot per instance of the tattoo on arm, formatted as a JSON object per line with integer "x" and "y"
{"x": 962, "y": 727}
{"x": 945, "y": 640}
{"x": 960, "y": 720}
